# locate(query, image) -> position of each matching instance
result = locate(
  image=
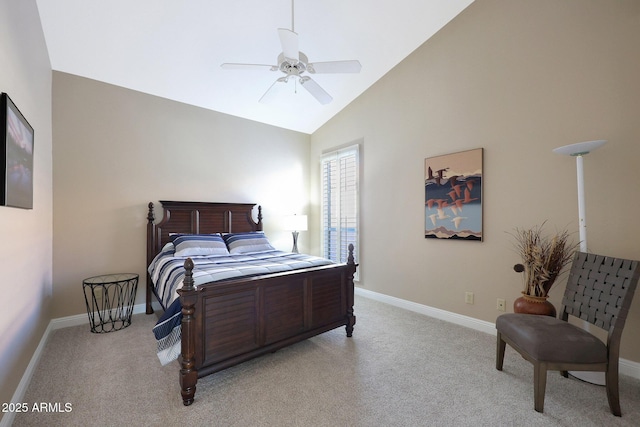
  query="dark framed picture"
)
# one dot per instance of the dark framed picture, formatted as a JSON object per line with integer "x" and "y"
{"x": 16, "y": 156}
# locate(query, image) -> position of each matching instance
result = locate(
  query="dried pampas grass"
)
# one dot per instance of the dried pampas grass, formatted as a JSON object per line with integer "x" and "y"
{"x": 543, "y": 258}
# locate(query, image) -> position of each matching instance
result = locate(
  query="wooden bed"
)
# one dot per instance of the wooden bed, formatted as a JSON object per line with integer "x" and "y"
{"x": 228, "y": 322}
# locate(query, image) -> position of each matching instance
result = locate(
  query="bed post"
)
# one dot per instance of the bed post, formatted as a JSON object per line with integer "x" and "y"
{"x": 259, "y": 223}
{"x": 188, "y": 373}
{"x": 151, "y": 236}
{"x": 351, "y": 319}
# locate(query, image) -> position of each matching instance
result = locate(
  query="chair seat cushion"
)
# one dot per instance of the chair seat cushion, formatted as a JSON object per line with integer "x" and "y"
{"x": 549, "y": 339}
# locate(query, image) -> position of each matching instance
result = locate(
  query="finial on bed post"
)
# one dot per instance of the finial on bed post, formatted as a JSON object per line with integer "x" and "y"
{"x": 188, "y": 275}
{"x": 259, "y": 223}
{"x": 150, "y": 216}
{"x": 350, "y": 259}
{"x": 188, "y": 371}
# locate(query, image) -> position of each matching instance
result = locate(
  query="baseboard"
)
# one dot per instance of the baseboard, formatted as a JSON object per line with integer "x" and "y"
{"x": 83, "y": 319}
{"x": 629, "y": 368}
{"x": 626, "y": 367}
{"x": 458, "y": 319}
{"x": 8, "y": 417}
{"x": 59, "y": 323}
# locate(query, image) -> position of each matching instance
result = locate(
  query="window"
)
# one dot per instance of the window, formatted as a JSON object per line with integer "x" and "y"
{"x": 340, "y": 171}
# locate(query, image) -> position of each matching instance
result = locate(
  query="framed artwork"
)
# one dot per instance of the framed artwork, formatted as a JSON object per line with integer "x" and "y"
{"x": 453, "y": 196}
{"x": 16, "y": 156}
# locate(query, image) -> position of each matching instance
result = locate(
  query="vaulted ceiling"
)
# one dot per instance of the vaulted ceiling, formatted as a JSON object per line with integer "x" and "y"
{"x": 174, "y": 49}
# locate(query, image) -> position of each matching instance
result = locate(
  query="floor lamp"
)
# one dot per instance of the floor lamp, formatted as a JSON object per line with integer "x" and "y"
{"x": 578, "y": 151}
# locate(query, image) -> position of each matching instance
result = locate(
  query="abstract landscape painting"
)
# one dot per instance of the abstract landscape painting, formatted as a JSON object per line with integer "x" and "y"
{"x": 16, "y": 156}
{"x": 453, "y": 196}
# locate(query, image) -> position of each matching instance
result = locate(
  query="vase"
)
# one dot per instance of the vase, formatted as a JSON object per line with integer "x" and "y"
{"x": 530, "y": 304}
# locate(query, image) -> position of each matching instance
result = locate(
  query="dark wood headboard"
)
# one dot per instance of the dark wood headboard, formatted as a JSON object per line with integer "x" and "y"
{"x": 198, "y": 218}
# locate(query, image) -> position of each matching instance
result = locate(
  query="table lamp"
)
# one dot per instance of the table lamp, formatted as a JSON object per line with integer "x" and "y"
{"x": 295, "y": 223}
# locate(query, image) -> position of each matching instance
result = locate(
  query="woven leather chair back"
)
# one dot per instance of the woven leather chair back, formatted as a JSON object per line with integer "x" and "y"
{"x": 600, "y": 289}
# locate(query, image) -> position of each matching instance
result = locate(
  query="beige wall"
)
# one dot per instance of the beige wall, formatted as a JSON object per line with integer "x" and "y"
{"x": 116, "y": 150}
{"x": 517, "y": 78}
{"x": 25, "y": 253}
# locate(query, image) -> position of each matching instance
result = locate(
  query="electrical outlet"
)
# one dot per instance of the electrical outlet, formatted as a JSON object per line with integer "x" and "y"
{"x": 468, "y": 297}
{"x": 501, "y": 305}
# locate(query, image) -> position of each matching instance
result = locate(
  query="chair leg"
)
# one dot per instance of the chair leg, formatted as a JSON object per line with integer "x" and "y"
{"x": 500, "y": 352}
{"x": 539, "y": 385}
{"x": 613, "y": 391}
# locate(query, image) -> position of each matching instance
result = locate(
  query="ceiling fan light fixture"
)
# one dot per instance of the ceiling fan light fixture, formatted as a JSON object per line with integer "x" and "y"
{"x": 291, "y": 68}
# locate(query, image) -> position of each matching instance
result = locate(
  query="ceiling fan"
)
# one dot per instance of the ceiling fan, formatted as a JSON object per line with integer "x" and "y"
{"x": 295, "y": 64}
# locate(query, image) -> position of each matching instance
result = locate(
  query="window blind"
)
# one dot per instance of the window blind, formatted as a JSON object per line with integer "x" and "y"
{"x": 340, "y": 172}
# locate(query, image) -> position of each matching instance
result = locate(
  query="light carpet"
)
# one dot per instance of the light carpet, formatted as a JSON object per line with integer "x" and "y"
{"x": 400, "y": 368}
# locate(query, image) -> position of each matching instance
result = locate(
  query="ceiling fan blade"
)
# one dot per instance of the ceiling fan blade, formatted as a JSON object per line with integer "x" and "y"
{"x": 314, "y": 89}
{"x": 274, "y": 90}
{"x": 351, "y": 66}
{"x": 289, "y": 41}
{"x": 234, "y": 66}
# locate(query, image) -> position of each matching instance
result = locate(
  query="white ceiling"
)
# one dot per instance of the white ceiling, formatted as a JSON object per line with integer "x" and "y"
{"x": 173, "y": 49}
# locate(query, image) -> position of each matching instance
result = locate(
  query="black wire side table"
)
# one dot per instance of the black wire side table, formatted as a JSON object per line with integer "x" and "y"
{"x": 110, "y": 299}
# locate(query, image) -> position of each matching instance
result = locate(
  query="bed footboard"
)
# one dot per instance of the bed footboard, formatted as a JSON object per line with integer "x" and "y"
{"x": 229, "y": 322}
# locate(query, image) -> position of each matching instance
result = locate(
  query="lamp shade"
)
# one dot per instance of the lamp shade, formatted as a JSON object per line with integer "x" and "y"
{"x": 580, "y": 148}
{"x": 295, "y": 222}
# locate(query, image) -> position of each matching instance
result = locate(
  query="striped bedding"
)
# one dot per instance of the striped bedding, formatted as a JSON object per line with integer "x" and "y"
{"x": 167, "y": 274}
